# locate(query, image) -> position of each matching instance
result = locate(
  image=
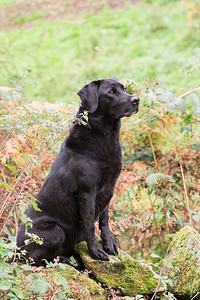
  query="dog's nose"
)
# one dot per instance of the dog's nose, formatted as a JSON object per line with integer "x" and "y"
{"x": 135, "y": 100}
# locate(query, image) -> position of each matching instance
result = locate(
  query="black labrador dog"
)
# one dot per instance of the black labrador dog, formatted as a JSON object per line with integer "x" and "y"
{"x": 80, "y": 184}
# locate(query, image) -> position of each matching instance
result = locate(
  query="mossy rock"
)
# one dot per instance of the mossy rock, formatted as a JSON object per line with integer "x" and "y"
{"x": 184, "y": 254}
{"x": 81, "y": 287}
{"x": 123, "y": 273}
{"x": 78, "y": 285}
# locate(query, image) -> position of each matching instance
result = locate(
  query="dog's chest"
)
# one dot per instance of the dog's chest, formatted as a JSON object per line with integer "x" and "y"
{"x": 110, "y": 167}
{"x": 110, "y": 164}
{"x": 112, "y": 154}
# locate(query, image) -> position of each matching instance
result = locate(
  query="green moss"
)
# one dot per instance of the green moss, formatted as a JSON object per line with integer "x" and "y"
{"x": 81, "y": 287}
{"x": 81, "y": 248}
{"x": 184, "y": 255}
{"x": 122, "y": 272}
{"x": 137, "y": 277}
{"x": 182, "y": 237}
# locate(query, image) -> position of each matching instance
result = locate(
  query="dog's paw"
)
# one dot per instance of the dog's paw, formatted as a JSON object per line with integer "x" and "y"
{"x": 110, "y": 245}
{"x": 98, "y": 253}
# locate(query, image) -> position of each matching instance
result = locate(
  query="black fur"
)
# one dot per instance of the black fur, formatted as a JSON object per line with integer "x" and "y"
{"x": 80, "y": 184}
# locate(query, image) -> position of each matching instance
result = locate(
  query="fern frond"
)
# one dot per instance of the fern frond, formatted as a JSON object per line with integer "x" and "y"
{"x": 158, "y": 178}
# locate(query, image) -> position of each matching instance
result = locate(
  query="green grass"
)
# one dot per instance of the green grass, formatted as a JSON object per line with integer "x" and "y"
{"x": 137, "y": 42}
{"x": 22, "y": 19}
{"x": 4, "y": 3}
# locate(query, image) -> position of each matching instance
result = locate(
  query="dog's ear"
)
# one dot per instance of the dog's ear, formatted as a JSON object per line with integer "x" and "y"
{"x": 89, "y": 96}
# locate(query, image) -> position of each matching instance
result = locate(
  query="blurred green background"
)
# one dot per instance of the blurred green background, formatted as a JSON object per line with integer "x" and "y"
{"x": 64, "y": 45}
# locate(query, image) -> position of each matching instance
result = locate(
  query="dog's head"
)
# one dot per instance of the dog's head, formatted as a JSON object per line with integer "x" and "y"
{"x": 108, "y": 97}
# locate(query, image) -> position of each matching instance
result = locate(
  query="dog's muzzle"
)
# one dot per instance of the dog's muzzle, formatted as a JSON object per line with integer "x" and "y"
{"x": 135, "y": 101}
{"x": 135, "y": 106}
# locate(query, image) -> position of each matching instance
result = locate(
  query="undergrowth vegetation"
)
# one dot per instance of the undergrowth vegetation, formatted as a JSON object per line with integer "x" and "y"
{"x": 158, "y": 191}
{"x": 159, "y": 188}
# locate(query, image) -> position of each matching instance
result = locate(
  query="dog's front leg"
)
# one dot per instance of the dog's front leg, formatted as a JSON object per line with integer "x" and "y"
{"x": 87, "y": 211}
{"x": 108, "y": 240}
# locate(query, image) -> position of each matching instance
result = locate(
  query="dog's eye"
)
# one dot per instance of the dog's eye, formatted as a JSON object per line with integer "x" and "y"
{"x": 124, "y": 88}
{"x": 111, "y": 92}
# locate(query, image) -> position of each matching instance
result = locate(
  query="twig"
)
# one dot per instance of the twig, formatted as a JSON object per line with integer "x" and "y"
{"x": 185, "y": 192}
{"x": 185, "y": 188}
{"x": 158, "y": 284}
{"x": 195, "y": 296}
{"x": 152, "y": 148}
{"x": 189, "y": 92}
